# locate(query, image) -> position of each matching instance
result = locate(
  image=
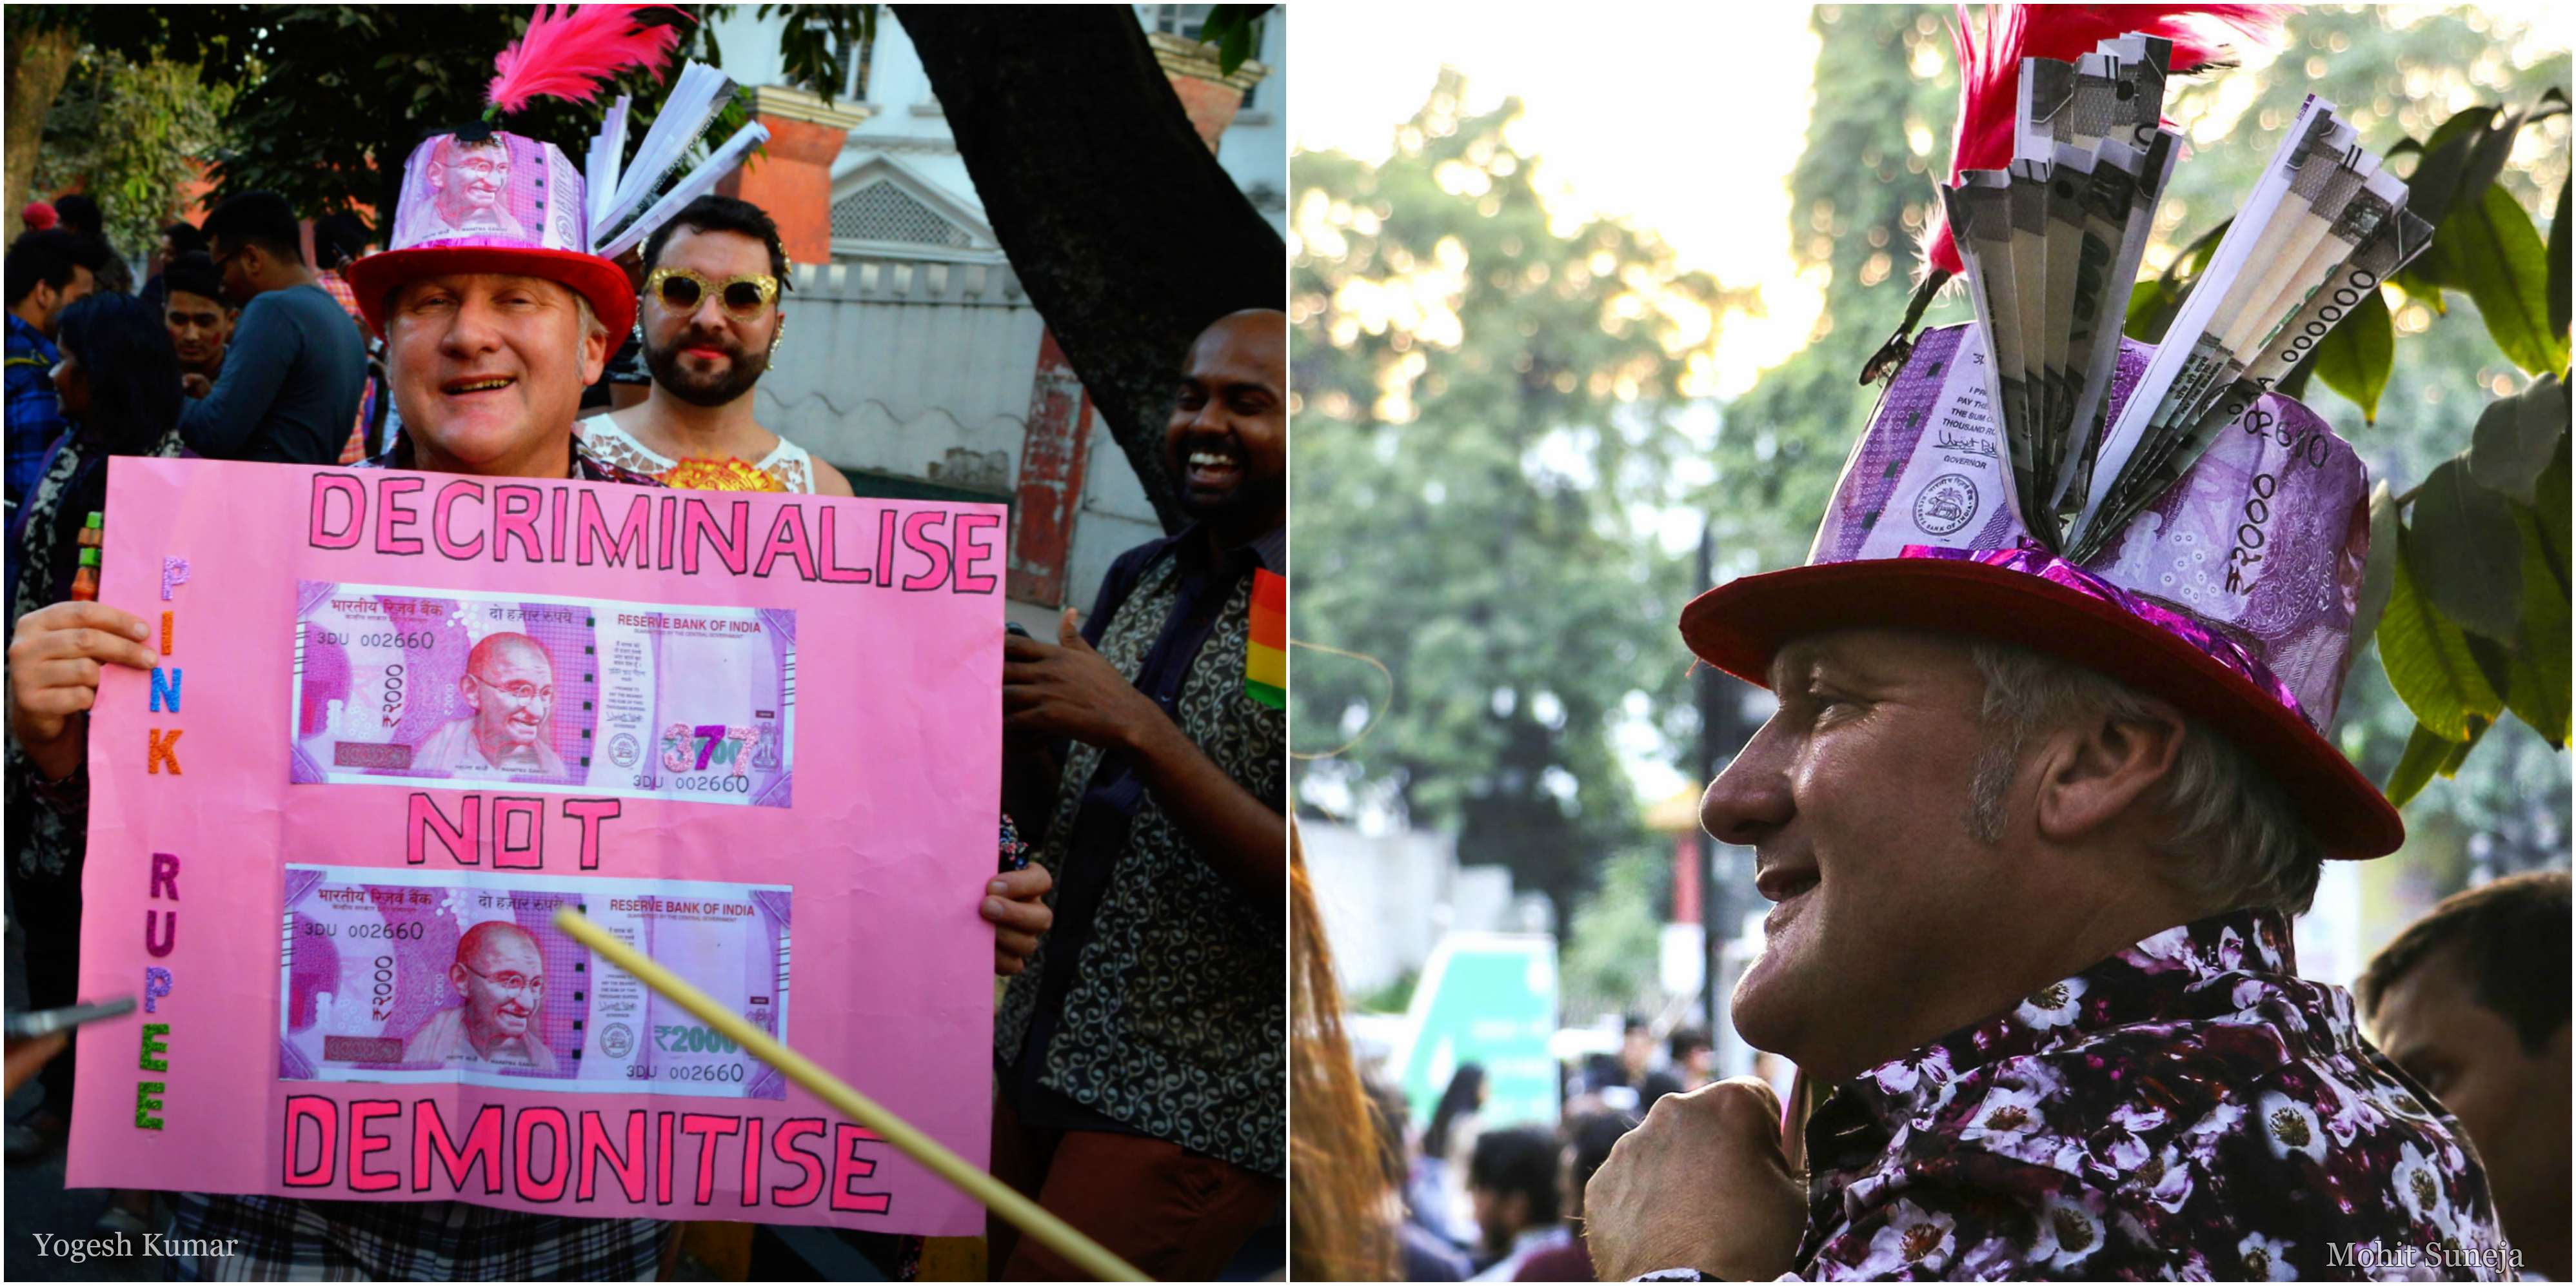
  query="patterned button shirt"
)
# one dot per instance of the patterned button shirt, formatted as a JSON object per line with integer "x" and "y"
{"x": 1167, "y": 1019}
{"x": 2188, "y": 1108}
{"x": 268, "y": 1238}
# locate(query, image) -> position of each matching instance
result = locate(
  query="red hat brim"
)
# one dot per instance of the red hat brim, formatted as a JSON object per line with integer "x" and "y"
{"x": 1740, "y": 625}
{"x": 374, "y": 278}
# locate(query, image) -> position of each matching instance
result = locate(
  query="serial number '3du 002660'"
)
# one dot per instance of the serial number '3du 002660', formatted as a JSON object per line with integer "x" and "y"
{"x": 406, "y": 686}
{"x": 461, "y": 977}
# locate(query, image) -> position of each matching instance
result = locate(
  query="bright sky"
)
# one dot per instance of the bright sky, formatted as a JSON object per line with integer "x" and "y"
{"x": 1694, "y": 142}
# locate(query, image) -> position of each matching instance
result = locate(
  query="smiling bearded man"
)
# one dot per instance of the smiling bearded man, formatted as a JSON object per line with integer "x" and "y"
{"x": 712, "y": 318}
{"x": 1160, "y": 784}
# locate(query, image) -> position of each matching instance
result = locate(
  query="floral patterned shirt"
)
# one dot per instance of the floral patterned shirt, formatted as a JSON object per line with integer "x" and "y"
{"x": 2188, "y": 1108}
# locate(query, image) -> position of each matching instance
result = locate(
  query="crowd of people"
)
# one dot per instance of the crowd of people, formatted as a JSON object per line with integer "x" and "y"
{"x": 2469, "y": 1005}
{"x": 1142, "y": 775}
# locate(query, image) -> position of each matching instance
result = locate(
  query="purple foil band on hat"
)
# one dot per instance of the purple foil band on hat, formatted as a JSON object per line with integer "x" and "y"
{"x": 2030, "y": 559}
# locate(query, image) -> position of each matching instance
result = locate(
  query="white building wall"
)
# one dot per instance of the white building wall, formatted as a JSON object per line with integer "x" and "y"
{"x": 1386, "y": 898}
{"x": 911, "y": 369}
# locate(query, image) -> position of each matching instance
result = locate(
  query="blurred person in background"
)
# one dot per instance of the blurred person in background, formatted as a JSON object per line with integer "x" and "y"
{"x": 201, "y": 325}
{"x": 118, "y": 381}
{"x": 1437, "y": 1190}
{"x": 1337, "y": 1174}
{"x": 2472, "y": 1001}
{"x": 1694, "y": 1057}
{"x": 38, "y": 216}
{"x": 1588, "y": 1140}
{"x": 82, "y": 218}
{"x": 48, "y": 271}
{"x": 338, "y": 240}
{"x": 1512, "y": 1184}
{"x": 118, "y": 385}
{"x": 1637, "y": 1082}
{"x": 178, "y": 239}
{"x": 291, "y": 382}
{"x": 1422, "y": 1255}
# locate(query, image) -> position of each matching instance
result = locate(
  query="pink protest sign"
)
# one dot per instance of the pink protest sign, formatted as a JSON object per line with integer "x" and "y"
{"x": 401, "y": 718}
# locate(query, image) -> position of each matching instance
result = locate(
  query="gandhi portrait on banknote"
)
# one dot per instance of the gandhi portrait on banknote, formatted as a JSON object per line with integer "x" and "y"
{"x": 502, "y": 978}
{"x": 471, "y": 183}
{"x": 509, "y": 690}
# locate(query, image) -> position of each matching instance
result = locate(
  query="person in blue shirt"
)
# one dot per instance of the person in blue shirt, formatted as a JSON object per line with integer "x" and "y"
{"x": 291, "y": 380}
{"x": 46, "y": 272}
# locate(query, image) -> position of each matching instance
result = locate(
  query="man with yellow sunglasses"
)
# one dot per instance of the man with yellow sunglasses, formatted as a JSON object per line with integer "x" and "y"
{"x": 711, "y": 318}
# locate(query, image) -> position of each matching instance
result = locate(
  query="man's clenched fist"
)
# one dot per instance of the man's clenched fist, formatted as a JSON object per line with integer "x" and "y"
{"x": 1701, "y": 1184}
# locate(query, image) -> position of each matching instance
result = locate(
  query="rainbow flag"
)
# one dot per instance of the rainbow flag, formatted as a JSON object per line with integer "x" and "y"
{"x": 1265, "y": 657}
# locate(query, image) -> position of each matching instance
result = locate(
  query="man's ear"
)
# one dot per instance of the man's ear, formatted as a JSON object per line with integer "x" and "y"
{"x": 2094, "y": 771}
{"x": 473, "y": 699}
{"x": 594, "y": 354}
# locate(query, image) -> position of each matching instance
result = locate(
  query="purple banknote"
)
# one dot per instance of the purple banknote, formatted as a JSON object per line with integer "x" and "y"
{"x": 460, "y": 977}
{"x": 2262, "y": 534}
{"x": 404, "y": 686}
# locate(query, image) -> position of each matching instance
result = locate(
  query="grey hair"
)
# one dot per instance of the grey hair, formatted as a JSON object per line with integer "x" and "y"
{"x": 2236, "y": 839}
{"x": 590, "y": 322}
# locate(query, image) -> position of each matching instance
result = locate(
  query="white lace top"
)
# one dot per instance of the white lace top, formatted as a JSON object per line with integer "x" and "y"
{"x": 787, "y": 465}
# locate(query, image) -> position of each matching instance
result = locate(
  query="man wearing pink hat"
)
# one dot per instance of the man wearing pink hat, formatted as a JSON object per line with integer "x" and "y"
{"x": 2036, "y": 808}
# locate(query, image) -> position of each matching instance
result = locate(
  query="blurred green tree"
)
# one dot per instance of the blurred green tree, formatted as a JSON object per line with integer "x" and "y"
{"x": 130, "y": 132}
{"x": 1486, "y": 411}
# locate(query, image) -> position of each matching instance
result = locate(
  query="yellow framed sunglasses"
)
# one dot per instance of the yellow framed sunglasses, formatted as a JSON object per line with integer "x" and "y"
{"x": 743, "y": 296}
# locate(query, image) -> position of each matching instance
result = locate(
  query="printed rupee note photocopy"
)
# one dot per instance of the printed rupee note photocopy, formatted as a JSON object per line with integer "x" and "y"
{"x": 399, "y": 720}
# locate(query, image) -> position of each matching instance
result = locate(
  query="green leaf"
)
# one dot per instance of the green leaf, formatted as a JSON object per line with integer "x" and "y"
{"x": 2516, "y": 437}
{"x": 2536, "y": 690}
{"x": 2560, "y": 280}
{"x": 2379, "y": 571}
{"x": 2425, "y": 752}
{"x": 2150, "y": 303}
{"x": 2433, "y": 189}
{"x": 2460, "y": 547}
{"x": 2354, "y": 358}
{"x": 2435, "y": 184}
{"x": 2460, "y": 751}
{"x": 2506, "y": 271}
{"x": 2550, "y": 504}
{"x": 2428, "y": 662}
{"x": 2422, "y": 283}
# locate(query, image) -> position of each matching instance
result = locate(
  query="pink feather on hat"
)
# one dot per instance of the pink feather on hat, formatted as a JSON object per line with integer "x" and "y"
{"x": 1990, "y": 54}
{"x": 570, "y": 51}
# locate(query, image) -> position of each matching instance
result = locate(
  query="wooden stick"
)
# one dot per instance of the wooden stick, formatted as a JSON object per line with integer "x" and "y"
{"x": 1054, "y": 1233}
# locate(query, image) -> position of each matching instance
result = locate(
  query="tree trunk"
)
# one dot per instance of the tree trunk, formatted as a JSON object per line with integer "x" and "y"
{"x": 1128, "y": 235}
{"x": 39, "y": 62}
